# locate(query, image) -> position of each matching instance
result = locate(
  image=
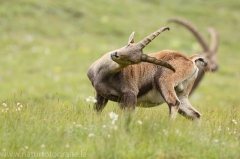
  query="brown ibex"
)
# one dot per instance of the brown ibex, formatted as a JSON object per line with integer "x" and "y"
{"x": 209, "y": 52}
{"x": 131, "y": 78}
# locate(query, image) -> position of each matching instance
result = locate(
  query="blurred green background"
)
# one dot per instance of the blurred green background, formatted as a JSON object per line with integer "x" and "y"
{"x": 47, "y": 46}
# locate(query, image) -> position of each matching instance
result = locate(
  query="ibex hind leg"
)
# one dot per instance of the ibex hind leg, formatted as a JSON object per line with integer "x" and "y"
{"x": 188, "y": 111}
{"x": 100, "y": 104}
{"x": 166, "y": 89}
{"x": 173, "y": 108}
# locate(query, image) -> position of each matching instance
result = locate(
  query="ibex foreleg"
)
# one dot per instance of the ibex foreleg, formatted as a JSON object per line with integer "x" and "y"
{"x": 129, "y": 101}
{"x": 101, "y": 103}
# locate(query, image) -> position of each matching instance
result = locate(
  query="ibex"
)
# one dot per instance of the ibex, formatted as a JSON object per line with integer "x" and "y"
{"x": 131, "y": 78}
{"x": 209, "y": 52}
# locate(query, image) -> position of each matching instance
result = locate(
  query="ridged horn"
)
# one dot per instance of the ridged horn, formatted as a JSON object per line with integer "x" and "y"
{"x": 194, "y": 30}
{"x": 152, "y": 36}
{"x": 153, "y": 60}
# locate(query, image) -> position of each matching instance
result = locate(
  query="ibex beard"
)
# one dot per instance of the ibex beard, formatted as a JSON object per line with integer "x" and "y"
{"x": 131, "y": 78}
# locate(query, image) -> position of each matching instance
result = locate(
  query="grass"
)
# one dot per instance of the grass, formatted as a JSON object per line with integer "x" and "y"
{"x": 46, "y": 49}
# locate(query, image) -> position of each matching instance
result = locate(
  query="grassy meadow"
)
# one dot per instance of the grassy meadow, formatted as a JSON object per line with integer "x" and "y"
{"x": 46, "y": 48}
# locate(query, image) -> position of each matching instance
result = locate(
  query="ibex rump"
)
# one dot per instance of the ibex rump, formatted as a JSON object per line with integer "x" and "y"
{"x": 209, "y": 51}
{"x": 131, "y": 78}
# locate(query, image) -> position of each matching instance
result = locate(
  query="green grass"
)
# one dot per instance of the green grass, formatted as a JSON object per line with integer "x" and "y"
{"x": 46, "y": 48}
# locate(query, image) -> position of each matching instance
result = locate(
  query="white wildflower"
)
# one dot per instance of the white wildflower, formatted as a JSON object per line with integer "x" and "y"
{"x": 104, "y": 126}
{"x": 139, "y": 122}
{"x": 42, "y": 146}
{"x": 19, "y": 109}
{"x": 4, "y": 104}
{"x": 108, "y": 135}
{"x": 113, "y": 116}
{"x": 227, "y": 128}
{"x": 216, "y": 140}
{"x": 67, "y": 145}
{"x": 165, "y": 132}
{"x": 219, "y": 128}
{"x": 91, "y": 99}
{"x": 177, "y": 131}
{"x": 234, "y": 121}
{"x": 26, "y": 147}
{"x": 115, "y": 127}
{"x": 87, "y": 100}
{"x": 29, "y": 38}
{"x": 79, "y": 125}
{"x": 19, "y": 105}
{"x": 91, "y": 135}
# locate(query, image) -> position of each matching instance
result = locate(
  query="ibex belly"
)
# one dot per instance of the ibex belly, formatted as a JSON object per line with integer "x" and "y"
{"x": 151, "y": 99}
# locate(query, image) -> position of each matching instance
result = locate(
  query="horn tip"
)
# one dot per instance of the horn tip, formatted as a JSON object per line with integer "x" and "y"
{"x": 166, "y": 28}
{"x": 173, "y": 69}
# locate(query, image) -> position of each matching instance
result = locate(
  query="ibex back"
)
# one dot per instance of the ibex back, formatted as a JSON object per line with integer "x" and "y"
{"x": 131, "y": 78}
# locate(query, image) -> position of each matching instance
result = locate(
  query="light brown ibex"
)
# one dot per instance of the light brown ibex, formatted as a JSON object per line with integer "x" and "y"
{"x": 209, "y": 51}
{"x": 131, "y": 78}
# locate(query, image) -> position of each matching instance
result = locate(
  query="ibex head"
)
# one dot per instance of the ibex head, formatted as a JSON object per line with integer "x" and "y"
{"x": 132, "y": 53}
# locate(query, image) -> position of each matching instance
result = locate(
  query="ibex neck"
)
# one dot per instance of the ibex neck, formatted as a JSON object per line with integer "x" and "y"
{"x": 103, "y": 68}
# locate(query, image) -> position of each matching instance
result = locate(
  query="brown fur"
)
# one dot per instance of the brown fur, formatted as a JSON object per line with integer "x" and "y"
{"x": 120, "y": 76}
{"x": 134, "y": 81}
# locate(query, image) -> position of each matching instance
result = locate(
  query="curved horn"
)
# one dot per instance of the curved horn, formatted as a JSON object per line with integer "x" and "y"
{"x": 214, "y": 40}
{"x": 152, "y": 36}
{"x": 194, "y": 31}
{"x": 146, "y": 58}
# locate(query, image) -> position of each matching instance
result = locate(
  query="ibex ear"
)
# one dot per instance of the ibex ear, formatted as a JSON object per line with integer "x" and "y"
{"x": 131, "y": 38}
